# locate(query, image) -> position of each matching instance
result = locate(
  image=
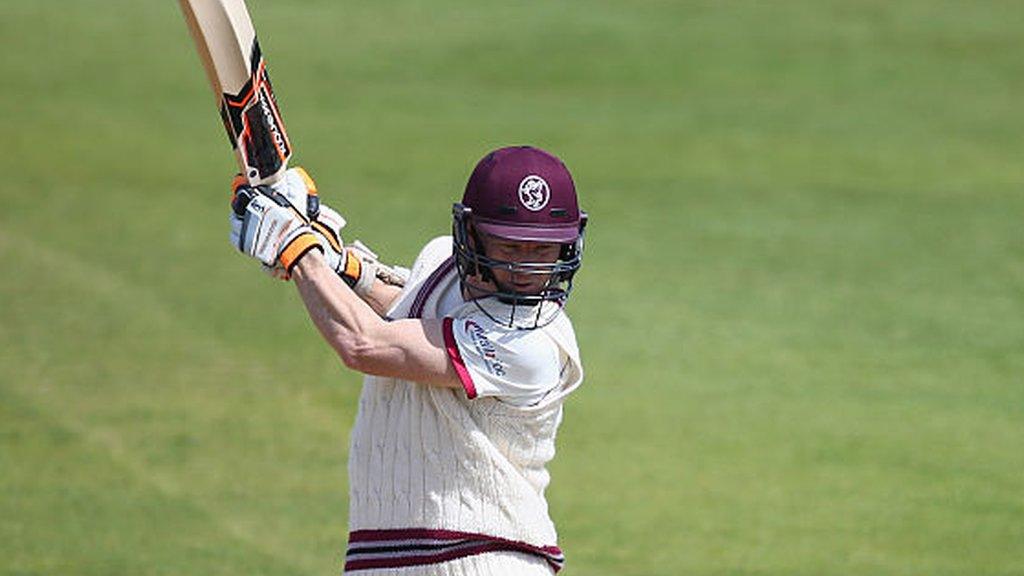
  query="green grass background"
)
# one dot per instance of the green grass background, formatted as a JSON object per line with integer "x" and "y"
{"x": 802, "y": 309}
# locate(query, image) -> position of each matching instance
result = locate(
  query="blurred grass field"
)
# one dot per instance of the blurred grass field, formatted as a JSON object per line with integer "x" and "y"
{"x": 802, "y": 308}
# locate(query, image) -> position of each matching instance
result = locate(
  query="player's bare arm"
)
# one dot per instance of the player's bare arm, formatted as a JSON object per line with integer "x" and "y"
{"x": 407, "y": 349}
{"x": 381, "y": 296}
{"x": 345, "y": 288}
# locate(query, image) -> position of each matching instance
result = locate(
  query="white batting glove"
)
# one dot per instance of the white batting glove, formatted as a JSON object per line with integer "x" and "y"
{"x": 295, "y": 186}
{"x": 266, "y": 226}
{"x": 327, "y": 224}
{"x": 342, "y": 259}
{"x": 300, "y": 190}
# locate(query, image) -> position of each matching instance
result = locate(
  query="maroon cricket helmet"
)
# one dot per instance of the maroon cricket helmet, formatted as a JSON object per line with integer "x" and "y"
{"x": 524, "y": 194}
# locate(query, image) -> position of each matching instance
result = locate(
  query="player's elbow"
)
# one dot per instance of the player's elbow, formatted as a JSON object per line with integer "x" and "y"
{"x": 359, "y": 352}
{"x": 353, "y": 353}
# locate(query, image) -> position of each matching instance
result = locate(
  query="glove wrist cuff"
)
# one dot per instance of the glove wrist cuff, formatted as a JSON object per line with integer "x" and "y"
{"x": 296, "y": 249}
{"x": 359, "y": 274}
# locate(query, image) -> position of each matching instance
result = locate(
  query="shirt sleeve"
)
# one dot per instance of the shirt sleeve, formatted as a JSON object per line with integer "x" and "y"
{"x": 516, "y": 366}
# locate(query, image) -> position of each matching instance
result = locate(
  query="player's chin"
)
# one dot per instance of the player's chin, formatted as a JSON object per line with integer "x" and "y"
{"x": 527, "y": 288}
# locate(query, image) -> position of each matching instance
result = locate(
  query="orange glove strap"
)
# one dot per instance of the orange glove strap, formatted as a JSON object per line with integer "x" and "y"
{"x": 298, "y": 248}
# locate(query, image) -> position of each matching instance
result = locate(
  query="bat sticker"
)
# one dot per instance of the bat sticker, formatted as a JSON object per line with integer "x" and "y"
{"x": 253, "y": 122}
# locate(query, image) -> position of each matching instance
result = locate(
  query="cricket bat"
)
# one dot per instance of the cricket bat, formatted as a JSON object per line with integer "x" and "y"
{"x": 226, "y": 41}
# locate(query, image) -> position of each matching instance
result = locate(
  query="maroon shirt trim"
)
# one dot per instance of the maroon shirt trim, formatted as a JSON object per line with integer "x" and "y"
{"x": 397, "y": 548}
{"x": 452, "y": 347}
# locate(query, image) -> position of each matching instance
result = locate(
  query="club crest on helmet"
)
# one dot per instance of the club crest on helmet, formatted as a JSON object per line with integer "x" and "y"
{"x": 534, "y": 193}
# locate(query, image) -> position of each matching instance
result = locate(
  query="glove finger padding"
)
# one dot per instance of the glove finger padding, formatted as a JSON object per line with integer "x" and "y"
{"x": 299, "y": 189}
{"x": 346, "y": 264}
{"x": 295, "y": 186}
{"x": 328, "y": 223}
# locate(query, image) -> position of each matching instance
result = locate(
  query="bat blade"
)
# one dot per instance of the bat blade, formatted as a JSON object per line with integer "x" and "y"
{"x": 227, "y": 45}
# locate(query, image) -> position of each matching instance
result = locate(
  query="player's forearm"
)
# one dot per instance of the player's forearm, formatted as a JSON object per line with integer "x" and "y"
{"x": 345, "y": 321}
{"x": 381, "y": 297}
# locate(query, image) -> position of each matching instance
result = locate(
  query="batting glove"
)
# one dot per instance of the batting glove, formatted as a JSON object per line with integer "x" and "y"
{"x": 299, "y": 189}
{"x": 266, "y": 225}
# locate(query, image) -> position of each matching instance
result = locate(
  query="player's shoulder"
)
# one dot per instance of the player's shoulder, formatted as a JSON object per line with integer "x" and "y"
{"x": 519, "y": 366}
{"x": 432, "y": 255}
{"x": 508, "y": 362}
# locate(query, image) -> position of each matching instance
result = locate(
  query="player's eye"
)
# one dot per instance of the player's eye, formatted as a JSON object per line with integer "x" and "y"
{"x": 508, "y": 249}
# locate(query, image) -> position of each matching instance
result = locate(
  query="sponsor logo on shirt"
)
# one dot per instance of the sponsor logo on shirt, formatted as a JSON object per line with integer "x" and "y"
{"x": 485, "y": 348}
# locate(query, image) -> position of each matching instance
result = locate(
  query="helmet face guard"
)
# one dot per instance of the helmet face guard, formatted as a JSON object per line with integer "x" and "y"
{"x": 477, "y": 274}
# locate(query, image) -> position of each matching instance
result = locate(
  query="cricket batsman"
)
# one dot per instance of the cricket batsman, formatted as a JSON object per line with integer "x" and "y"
{"x": 468, "y": 356}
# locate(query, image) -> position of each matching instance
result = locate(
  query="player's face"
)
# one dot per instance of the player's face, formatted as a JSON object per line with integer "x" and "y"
{"x": 520, "y": 252}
